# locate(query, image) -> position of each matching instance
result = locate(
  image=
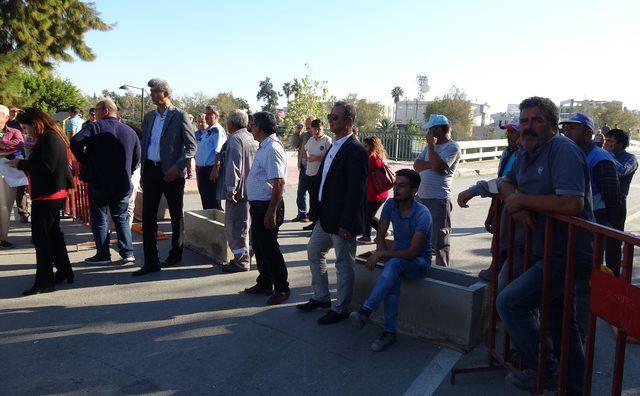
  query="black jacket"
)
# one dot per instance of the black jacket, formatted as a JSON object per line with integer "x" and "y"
{"x": 344, "y": 194}
{"x": 110, "y": 153}
{"x": 48, "y": 166}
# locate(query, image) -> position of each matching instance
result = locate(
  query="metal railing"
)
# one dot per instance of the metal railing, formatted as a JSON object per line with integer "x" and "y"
{"x": 613, "y": 299}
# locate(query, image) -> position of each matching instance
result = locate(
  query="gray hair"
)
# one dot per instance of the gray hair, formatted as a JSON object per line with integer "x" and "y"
{"x": 238, "y": 118}
{"x": 108, "y": 104}
{"x": 161, "y": 84}
{"x": 4, "y": 110}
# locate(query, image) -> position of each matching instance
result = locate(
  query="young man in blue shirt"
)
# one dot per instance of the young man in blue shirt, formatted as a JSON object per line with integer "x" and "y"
{"x": 408, "y": 257}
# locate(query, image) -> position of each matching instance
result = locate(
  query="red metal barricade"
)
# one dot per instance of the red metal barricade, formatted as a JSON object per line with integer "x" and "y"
{"x": 77, "y": 205}
{"x": 612, "y": 298}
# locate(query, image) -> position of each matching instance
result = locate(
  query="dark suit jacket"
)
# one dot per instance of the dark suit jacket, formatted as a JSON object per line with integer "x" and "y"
{"x": 177, "y": 141}
{"x": 344, "y": 194}
{"x": 48, "y": 166}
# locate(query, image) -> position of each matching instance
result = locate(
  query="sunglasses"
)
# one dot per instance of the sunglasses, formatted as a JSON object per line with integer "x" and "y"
{"x": 333, "y": 117}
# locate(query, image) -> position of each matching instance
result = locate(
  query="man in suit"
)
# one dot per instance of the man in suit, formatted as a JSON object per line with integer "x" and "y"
{"x": 168, "y": 141}
{"x": 342, "y": 201}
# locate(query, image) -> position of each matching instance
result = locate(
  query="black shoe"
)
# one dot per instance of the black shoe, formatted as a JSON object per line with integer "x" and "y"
{"x": 6, "y": 245}
{"x": 233, "y": 268}
{"x": 309, "y": 227}
{"x": 37, "y": 290}
{"x": 485, "y": 275}
{"x": 313, "y": 304}
{"x": 255, "y": 289}
{"x": 145, "y": 270}
{"x": 63, "y": 279}
{"x": 98, "y": 260}
{"x": 332, "y": 317}
{"x": 171, "y": 260}
{"x": 24, "y": 219}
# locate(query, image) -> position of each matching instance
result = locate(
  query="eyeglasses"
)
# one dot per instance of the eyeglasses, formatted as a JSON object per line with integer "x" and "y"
{"x": 333, "y": 117}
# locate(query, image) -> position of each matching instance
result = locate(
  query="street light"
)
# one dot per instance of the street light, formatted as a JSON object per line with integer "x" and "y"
{"x": 142, "y": 90}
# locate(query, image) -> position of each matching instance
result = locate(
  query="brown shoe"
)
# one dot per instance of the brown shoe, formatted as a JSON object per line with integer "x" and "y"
{"x": 300, "y": 218}
{"x": 255, "y": 289}
{"x": 278, "y": 298}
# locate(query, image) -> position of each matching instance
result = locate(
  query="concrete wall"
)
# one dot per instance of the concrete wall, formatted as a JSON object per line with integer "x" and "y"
{"x": 204, "y": 232}
{"x": 448, "y": 306}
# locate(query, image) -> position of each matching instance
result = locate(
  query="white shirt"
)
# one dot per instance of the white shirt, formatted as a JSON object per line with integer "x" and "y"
{"x": 153, "y": 151}
{"x": 270, "y": 162}
{"x": 333, "y": 151}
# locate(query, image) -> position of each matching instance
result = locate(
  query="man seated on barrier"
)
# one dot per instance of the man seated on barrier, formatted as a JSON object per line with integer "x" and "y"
{"x": 550, "y": 175}
{"x": 408, "y": 256}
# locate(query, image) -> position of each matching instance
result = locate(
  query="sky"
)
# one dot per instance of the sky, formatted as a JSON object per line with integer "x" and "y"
{"x": 498, "y": 52}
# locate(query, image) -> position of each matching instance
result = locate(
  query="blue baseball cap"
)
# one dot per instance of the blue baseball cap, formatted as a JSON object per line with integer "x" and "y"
{"x": 513, "y": 124}
{"x": 580, "y": 118}
{"x": 435, "y": 120}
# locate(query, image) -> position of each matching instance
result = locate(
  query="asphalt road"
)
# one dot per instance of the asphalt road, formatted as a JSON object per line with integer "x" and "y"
{"x": 189, "y": 329}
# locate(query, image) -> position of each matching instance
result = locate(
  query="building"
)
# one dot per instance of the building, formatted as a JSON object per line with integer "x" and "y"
{"x": 415, "y": 110}
{"x": 571, "y": 106}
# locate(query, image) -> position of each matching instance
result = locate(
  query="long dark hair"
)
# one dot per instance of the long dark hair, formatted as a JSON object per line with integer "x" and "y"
{"x": 41, "y": 122}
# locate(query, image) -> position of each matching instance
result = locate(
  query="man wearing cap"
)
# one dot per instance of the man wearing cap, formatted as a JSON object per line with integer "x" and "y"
{"x": 616, "y": 142}
{"x": 436, "y": 164}
{"x": 507, "y": 160}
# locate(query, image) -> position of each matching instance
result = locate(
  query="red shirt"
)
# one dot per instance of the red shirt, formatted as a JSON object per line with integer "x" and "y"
{"x": 372, "y": 194}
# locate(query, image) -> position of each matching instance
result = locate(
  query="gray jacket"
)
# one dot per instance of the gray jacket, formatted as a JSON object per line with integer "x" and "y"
{"x": 177, "y": 141}
{"x": 236, "y": 160}
{"x": 298, "y": 142}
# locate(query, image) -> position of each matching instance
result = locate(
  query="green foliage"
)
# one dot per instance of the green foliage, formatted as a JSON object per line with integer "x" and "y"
{"x": 224, "y": 102}
{"x": 457, "y": 108}
{"x": 385, "y": 126}
{"x": 287, "y": 89}
{"x": 36, "y": 34}
{"x": 268, "y": 94}
{"x": 412, "y": 127}
{"x": 48, "y": 93}
{"x": 368, "y": 114}
{"x": 613, "y": 114}
{"x": 311, "y": 98}
{"x": 396, "y": 93}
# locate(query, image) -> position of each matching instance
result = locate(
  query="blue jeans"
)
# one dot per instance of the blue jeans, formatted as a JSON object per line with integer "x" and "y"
{"x": 301, "y": 200}
{"x": 387, "y": 287}
{"x": 518, "y": 304}
{"x": 100, "y": 207}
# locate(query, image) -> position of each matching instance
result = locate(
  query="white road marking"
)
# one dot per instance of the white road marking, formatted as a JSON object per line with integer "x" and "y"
{"x": 436, "y": 371}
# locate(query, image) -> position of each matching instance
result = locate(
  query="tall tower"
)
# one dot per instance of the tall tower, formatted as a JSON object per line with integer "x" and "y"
{"x": 423, "y": 86}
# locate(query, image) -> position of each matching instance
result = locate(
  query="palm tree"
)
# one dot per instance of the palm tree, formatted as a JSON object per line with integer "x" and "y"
{"x": 396, "y": 93}
{"x": 385, "y": 126}
{"x": 287, "y": 88}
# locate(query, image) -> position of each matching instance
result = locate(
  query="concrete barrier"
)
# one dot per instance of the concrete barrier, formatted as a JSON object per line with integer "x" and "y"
{"x": 447, "y": 306}
{"x": 204, "y": 233}
{"x": 163, "y": 208}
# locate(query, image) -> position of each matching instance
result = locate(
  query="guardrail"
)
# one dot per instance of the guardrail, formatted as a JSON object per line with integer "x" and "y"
{"x": 613, "y": 299}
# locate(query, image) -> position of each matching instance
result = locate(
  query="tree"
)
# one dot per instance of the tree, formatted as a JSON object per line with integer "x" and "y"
{"x": 368, "y": 114}
{"x": 268, "y": 94}
{"x": 412, "y": 127}
{"x": 385, "y": 126}
{"x": 224, "y": 102}
{"x": 34, "y": 35}
{"x": 396, "y": 93}
{"x": 287, "y": 89}
{"x": 455, "y": 105}
{"x": 612, "y": 114}
{"x": 48, "y": 93}
{"x": 194, "y": 103}
{"x": 311, "y": 99}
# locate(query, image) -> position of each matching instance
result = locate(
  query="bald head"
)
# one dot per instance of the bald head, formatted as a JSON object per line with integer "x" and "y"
{"x": 106, "y": 108}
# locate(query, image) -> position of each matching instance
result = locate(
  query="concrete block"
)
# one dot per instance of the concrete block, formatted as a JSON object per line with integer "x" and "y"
{"x": 447, "y": 306}
{"x": 163, "y": 208}
{"x": 204, "y": 233}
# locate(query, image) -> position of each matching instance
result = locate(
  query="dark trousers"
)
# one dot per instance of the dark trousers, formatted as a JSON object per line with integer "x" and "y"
{"x": 153, "y": 187}
{"x": 22, "y": 201}
{"x": 371, "y": 221}
{"x": 271, "y": 266}
{"x": 51, "y": 250}
{"x": 613, "y": 253}
{"x": 301, "y": 199}
{"x": 313, "y": 185}
{"x": 207, "y": 188}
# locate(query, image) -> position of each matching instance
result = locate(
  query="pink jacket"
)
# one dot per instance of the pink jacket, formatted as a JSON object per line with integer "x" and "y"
{"x": 12, "y": 140}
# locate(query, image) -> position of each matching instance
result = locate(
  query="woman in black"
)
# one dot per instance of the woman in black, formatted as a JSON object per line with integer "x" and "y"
{"x": 49, "y": 179}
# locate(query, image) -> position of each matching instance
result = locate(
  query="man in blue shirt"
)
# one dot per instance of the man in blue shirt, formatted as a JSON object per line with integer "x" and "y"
{"x": 616, "y": 142}
{"x": 550, "y": 175}
{"x": 408, "y": 258}
{"x": 207, "y": 161}
{"x": 74, "y": 122}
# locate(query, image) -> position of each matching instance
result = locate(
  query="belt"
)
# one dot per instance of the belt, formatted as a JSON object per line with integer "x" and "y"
{"x": 154, "y": 163}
